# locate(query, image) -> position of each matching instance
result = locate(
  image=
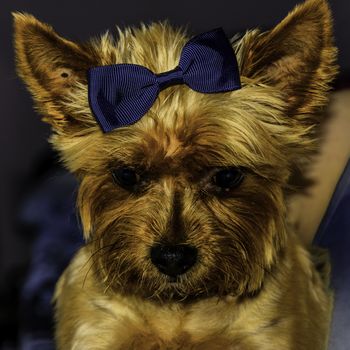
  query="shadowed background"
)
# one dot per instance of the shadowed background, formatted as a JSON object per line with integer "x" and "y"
{"x": 24, "y": 149}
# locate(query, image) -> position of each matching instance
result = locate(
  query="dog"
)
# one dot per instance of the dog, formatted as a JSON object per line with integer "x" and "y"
{"x": 184, "y": 209}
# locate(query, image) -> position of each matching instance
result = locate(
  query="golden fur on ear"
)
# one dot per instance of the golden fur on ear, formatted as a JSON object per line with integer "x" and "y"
{"x": 49, "y": 65}
{"x": 297, "y": 56}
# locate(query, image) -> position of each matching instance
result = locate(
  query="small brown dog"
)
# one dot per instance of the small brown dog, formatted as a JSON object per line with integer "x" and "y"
{"x": 184, "y": 211}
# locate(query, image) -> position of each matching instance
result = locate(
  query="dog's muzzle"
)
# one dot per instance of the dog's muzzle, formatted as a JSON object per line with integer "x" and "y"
{"x": 173, "y": 260}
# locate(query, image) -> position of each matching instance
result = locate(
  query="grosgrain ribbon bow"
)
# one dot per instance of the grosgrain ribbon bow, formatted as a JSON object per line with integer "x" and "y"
{"x": 121, "y": 94}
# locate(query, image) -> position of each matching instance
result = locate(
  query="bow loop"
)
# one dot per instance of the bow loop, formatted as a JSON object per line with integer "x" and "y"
{"x": 209, "y": 63}
{"x": 121, "y": 94}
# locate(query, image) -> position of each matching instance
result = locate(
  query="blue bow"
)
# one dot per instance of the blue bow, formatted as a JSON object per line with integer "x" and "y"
{"x": 121, "y": 94}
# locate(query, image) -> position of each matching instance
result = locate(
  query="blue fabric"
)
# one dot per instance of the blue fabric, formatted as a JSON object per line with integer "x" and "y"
{"x": 121, "y": 94}
{"x": 334, "y": 234}
{"x": 50, "y": 210}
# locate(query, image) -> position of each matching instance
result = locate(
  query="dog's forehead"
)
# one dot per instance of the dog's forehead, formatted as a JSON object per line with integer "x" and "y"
{"x": 188, "y": 128}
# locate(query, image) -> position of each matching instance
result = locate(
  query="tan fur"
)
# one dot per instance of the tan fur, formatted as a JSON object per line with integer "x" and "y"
{"x": 254, "y": 286}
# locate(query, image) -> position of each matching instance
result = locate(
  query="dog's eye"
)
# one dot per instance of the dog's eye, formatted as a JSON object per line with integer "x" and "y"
{"x": 125, "y": 177}
{"x": 228, "y": 178}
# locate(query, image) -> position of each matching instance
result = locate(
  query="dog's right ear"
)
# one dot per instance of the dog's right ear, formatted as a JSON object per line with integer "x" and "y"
{"x": 50, "y": 66}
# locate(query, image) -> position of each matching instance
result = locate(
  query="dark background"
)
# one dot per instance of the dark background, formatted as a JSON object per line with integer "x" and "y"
{"x": 23, "y": 136}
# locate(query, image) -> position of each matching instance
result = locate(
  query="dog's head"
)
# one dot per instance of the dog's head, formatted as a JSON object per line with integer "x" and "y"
{"x": 189, "y": 200}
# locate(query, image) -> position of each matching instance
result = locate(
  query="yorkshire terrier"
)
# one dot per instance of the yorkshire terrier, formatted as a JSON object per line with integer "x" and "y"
{"x": 184, "y": 150}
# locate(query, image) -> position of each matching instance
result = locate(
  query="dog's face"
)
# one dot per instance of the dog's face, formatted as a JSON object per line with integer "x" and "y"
{"x": 193, "y": 185}
{"x": 189, "y": 201}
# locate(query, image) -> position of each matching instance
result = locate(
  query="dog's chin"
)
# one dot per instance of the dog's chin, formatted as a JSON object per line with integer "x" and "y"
{"x": 180, "y": 289}
{"x": 200, "y": 282}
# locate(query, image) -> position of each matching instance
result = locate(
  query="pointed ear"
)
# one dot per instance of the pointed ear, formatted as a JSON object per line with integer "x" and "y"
{"x": 49, "y": 65}
{"x": 297, "y": 57}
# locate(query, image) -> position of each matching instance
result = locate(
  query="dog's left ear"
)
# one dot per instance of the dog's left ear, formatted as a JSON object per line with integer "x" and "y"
{"x": 297, "y": 56}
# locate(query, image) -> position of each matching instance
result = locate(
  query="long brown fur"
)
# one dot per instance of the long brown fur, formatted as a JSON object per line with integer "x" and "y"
{"x": 254, "y": 286}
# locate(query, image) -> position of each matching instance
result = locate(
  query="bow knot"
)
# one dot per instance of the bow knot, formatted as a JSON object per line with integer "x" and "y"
{"x": 121, "y": 94}
{"x": 169, "y": 78}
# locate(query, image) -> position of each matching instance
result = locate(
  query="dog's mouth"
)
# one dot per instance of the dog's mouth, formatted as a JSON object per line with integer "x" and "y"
{"x": 170, "y": 273}
{"x": 159, "y": 287}
{"x": 151, "y": 284}
{"x": 173, "y": 279}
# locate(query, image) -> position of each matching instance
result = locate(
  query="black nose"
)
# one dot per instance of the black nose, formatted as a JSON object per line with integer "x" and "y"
{"x": 173, "y": 260}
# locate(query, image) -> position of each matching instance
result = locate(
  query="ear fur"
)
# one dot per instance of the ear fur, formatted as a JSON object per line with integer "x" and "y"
{"x": 49, "y": 65}
{"x": 297, "y": 57}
